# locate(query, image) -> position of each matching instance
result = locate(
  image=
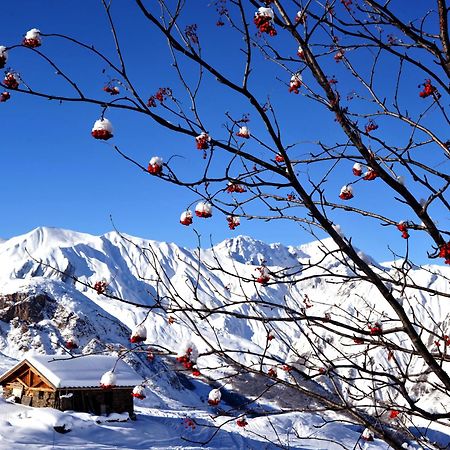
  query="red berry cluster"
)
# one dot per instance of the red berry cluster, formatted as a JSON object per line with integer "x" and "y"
{"x": 358, "y": 340}
{"x": 11, "y": 81}
{"x": 138, "y": 396}
{"x": 187, "y": 220}
{"x": 375, "y": 329}
{"x": 295, "y": 85}
{"x": 403, "y": 227}
{"x": 428, "y": 89}
{"x": 370, "y": 175}
{"x": 287, "y": 368}
{"x": 235, "y": 187}
{"x": 232, "y": 223}
{"x": 202, "y": 141}
{"x": 70, "y": 344}
{"x": 191, "y": 33}
{"x": 339, "y": 55}
{"x": 4, "y": 96}
{"x": 370, "y": 126}
{"x": 222, "y": 11}
{"x": 154, "y": 169}
{"x": 241, "y": 422}
{"x": 189, "y": 423}
{"x": 187, "y": 363}
{"x": 263, "y": 275}
{"x": 272, "y": 372}
{"x": 100, "y": 287}
{"x": 31, "y": 43}
{"x": 161, "y": 95}
{"x": 393, "y": 414}
{"x": 444, "y": 252}
{"x": 279, "y": 158}
{"x": 103, "y": 135}
{"x": 150, "y": 355}
{"x": 264, "y": 24}
{"x": 136, "y": 338}
{"x": 110, "y": 89}
{"x": 346, "y": 194}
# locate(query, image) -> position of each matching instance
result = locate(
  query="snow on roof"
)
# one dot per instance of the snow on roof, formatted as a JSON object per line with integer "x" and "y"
{"x": 84, "y": 371}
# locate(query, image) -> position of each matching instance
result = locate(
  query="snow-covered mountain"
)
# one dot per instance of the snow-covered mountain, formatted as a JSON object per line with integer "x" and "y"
{"x": 46, "y": 294}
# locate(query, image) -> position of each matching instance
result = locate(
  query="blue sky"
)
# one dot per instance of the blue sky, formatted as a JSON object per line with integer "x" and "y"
{"x": 54, "y": 174}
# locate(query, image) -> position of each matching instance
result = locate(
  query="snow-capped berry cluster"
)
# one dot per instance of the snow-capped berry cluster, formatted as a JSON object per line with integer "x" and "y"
{"x": 214, "y": 397}
{"x": 111, "y": 89}
{"x": 444, "y": 252}
{"x": 279, "y": 158}
{"x": 187, "y": 356}
{"x": 160, "y": 95}
{"x": 375, "y": 328}
{"x": 300, "y": 17}
{"x": 100, "y": 287}
{"x": 108, "y": 380}
{"x": 102, "y": 129}
{"x": 270, "y": 335}
{"x": 186, "y": 218}
{"x": 370, "y": 175}
{"x": 139, "y": 334}
{"x": 243, "y": 132}
{"x": 428, "y": 89}
{"x": 203, "y": 209}
{"x": 242, "y": 421}
{"x": 370, "y": 126}
{"x": 403, "y": 227}
{"x": 357, "y": 169}
{"x": 367, "y": 435}
{"x": 339, "y": 55}
{"x": 4, "y": 96}
{"x": 138, "y": 392}
{"x": 264, "y": 275}
{"x": 71, "y": 343}
{"x": 235, "y": 188}
{"x": 300, "y": 52}
{"x": 346, "y": 192}
{"x": 202, "y": 141}
{"x": 3, "y": 56}
{"x": 295, "y": 83}
{"x": 32, "y": 39}
{"x": 233, "y": 222}
{"x": 264, "y": 21}
{"x": 155, "y": 165}
{"x": 11, "y": 80}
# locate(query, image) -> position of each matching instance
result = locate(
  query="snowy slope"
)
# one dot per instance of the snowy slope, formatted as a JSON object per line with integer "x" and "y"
{"x": 37, "y": 270}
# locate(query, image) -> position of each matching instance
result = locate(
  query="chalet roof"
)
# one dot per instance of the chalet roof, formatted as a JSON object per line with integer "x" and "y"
{"x": 83, "y": 371}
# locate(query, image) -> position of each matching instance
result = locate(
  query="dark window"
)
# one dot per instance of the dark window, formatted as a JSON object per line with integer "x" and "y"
{"x": 41, "y": 395}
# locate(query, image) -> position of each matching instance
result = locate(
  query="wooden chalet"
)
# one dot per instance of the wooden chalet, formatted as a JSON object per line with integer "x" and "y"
{"x": 71, "y": 383}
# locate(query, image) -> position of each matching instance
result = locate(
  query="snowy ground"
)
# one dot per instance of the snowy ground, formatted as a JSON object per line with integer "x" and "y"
{"x": 21, "y": 426}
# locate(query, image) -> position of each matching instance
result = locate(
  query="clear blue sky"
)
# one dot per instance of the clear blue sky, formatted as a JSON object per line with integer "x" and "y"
{"x": 54, "y": 174}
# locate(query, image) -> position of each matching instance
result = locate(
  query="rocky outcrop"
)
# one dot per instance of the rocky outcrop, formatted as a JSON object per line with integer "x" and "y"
{"x": 27, "y": 308}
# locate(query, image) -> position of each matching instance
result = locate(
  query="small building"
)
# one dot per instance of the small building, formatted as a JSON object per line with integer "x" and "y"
{"x": 67, "y": 383}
